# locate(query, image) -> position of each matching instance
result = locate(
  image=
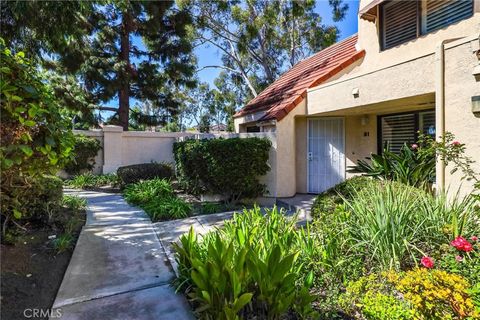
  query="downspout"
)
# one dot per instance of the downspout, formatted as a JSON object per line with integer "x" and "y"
{"x": 440, "y": 110}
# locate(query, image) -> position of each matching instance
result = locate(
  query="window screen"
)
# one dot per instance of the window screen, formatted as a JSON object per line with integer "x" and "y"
{"x": 401, "y": 19}
{"x": 400, "y": 22}
{"x": 397, "y": 130}
{"x": 442, "y": 13}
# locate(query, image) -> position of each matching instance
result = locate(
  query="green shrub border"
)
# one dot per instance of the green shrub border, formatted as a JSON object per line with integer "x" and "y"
{"x": 85, "y": 150}
{"x": 228, "y": 167}
{"x": 144, "y": 171}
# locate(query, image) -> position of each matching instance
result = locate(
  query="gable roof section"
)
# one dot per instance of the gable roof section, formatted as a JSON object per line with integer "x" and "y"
{"x": 278, "y": 99}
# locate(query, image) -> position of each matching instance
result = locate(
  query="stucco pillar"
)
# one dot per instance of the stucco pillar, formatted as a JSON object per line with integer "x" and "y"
{"x": 112, "y": 148}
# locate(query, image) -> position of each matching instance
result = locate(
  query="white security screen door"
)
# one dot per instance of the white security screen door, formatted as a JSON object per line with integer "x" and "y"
{"x": 326, "y": 153}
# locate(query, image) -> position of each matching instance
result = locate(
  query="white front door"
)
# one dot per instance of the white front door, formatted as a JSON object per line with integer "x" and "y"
{"x": 326, "y": 153}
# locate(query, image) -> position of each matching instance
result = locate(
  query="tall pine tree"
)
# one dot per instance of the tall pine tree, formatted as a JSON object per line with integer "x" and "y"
{"x": 112, "y": 65}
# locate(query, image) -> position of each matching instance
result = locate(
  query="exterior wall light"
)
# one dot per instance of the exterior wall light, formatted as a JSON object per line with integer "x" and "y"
{"x": 476, "y": 105}
{"x": 356, "y": 92}
{"x": 476, "y": 72}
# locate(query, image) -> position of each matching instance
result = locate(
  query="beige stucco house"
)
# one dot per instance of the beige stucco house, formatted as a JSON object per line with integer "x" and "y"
{"x": 413, "y": 66}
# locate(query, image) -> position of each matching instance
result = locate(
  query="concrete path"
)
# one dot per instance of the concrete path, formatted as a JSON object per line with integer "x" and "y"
{"x": 119, "y": 269}
{"x": 170, "y": 231}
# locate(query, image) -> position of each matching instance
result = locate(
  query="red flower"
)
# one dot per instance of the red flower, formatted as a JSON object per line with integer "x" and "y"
{"x": 467, "y": 247}
{"x": 456, "y": 143}
{"x": 459, "y": 258}
{"x": 460, "y": 243}
{"x": 414, "y": 146}
{"x": 427, "y": 262}
{"x": 474, "y": 238}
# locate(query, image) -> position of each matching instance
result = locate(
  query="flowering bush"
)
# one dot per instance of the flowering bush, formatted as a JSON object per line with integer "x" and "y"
{"x": 461, "y": 257}
{"x": 373, "y": 297}
{"x": 435, "y": 294}
{"x": 461, "y": 244}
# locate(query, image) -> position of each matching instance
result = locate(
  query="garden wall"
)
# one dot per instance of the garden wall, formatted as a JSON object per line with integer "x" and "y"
{"x": 121, "y": 148}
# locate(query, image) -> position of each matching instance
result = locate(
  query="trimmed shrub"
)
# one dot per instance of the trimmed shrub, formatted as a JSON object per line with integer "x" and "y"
{"x": 229, "y": 167}
{"x": 144, "y": 171}
{"x": 85, "y": 150}
{"x": 327, "y": 201}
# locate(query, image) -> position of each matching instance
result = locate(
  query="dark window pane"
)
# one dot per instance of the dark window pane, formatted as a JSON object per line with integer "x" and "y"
{"x": 399, "y": 22}
{"x": 253, "y": 129}
{"x": 443, "y": 13}
{"x": 397, "y": 130}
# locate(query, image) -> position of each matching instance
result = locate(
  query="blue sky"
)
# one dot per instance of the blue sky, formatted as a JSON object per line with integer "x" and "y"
{"x": 208, "y": 55}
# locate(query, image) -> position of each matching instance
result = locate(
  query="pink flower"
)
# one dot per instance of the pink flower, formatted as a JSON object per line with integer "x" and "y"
{"x": 459, "y": 258}
{"x": 456, "y": 143}
{"x": 427, "y": 262}
{"x": 414, "y": 146}
{"x": 460, "y": 243}
{"x": 474, "y": 238}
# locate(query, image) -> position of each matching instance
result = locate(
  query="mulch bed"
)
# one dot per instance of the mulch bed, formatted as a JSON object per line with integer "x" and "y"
{"x": 31, "y": 273}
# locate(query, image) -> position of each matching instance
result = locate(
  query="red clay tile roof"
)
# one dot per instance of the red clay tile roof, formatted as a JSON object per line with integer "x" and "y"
{"x": 290, "y": 89}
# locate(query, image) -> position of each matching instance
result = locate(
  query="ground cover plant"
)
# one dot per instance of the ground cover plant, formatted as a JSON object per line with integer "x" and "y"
{"x": 249, "y": 268}
{"x": 158, "y": 199}
{"x": 384, "y": 230}
{"x": 91, "y": 181}
{"x": 35, "y": 258}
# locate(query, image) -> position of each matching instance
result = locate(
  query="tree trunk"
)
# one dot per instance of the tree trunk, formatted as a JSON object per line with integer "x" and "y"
{"x": 124, "y": 90}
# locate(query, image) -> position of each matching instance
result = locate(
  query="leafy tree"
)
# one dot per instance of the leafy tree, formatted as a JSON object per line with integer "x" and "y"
{"x": 259, "y": 39}
{"x": 204, "y": 106}
{"x": 38, "y": 27}
{"x": 94, "y": 54}
{"x": 111, "y": 65}
{"x": 199, "y": 105}
{"x": 34, "y": 134}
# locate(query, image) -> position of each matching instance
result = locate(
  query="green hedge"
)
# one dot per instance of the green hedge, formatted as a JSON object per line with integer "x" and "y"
{"x": 144, "y": 171}
{"x": 229, "y": 167}
{"x": 85, "y": 150}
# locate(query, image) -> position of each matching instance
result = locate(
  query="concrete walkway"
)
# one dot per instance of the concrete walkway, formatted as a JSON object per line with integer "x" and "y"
{"x": 119, "y": 269}
{"x": 169, "y": 232}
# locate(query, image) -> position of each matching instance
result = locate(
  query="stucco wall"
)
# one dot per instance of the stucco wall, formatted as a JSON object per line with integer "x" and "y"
{"x": 125, "y": 148}
{"x": 286, "y": 151}
{"x": 301, "y": 154}
{"x": 121, "y": 148}
{"x": 404, "y": 87}
{"x": 408, "y": 79}
{"x": 459, "y": 118}
{"x": 375, "y": 58}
